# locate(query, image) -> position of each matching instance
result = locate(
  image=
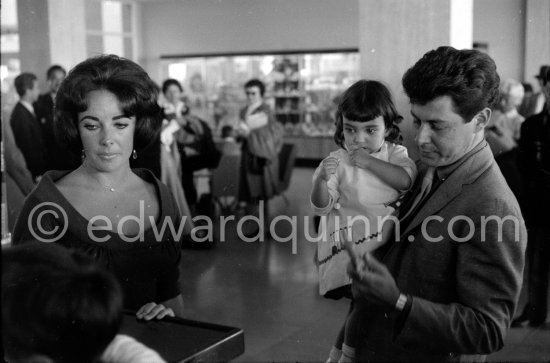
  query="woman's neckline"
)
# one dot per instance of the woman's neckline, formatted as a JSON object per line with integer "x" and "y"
{"x": 56, "y": 175}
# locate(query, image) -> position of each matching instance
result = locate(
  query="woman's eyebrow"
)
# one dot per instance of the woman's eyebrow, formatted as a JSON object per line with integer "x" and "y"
{"x": 93, "y": 118}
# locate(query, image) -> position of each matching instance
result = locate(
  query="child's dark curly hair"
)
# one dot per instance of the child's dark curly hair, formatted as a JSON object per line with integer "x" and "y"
{"x": 364, "y": 101}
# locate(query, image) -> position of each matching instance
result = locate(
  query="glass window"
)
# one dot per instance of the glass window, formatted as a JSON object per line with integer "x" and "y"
{"x": 300, "y": 88}
{"x": 93, "y": 16}
{"x": 94, "y": 45}
{"x": 110, "y": 27}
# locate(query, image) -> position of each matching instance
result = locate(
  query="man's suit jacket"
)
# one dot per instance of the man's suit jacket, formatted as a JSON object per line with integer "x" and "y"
{"x": 28, "y": 137}
{"x": 464, "y": 287}
{"x": 58, "y": 156}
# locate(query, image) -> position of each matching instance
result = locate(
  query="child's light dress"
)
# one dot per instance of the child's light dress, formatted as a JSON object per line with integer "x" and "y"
{"x": 356, "y": 192}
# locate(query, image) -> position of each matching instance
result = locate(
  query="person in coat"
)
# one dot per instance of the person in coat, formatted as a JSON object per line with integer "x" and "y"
{"x": 447, "y": 287}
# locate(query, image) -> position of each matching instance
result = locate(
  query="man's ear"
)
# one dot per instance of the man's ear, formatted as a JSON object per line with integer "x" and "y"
{"x": 482, "y": 118}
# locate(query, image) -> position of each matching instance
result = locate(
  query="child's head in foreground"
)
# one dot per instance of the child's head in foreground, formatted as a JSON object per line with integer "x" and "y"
{"x": 57, "y": 306}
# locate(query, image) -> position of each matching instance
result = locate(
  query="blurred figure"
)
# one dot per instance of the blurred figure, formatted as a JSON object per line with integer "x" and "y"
{"x": 262, "y": 141}
{"x": 25, "y": 125}
{"x": 58, "y": 307}
{"x": 193, "y": 136}
{"x": 526, "y": 103}
{"x": 534, "y": 102}
{"x": 229, "y": 144}
{"x": 19, "y": 181}
{"x": 503, "y": 132}
{"x": 57, "y": 156}
{"x": 534, "y": 164}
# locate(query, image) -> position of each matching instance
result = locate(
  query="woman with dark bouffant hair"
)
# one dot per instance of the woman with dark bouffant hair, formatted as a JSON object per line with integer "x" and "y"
{"x": 107, "y": 111}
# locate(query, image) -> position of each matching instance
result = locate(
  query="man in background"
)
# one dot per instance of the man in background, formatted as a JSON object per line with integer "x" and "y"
{"x": 57, "y": 156}
{"x": 26, "y": 127}
{"x": 534, "y": 164}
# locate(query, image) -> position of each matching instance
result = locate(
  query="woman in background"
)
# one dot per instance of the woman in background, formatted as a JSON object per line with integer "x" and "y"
{"x": 262, "y": 141}
{"x": 106, "y": 109}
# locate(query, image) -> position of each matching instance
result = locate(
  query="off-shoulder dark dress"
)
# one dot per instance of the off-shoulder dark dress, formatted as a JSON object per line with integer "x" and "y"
{"x": 147, "y": 270}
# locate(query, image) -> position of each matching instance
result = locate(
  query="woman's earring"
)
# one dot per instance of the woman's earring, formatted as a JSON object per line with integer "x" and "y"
{"x": 83, "y": 155}
{"x": 134, "y": 154}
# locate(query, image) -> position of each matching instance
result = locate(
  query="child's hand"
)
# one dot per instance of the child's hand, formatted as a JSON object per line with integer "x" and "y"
{"x": 329, "y": 166}
{"x": 360, "y": 157}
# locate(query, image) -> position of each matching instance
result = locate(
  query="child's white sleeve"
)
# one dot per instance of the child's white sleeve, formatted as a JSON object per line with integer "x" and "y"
{"x": 400, "y": 157}
{"x": 334, "y": 195}
{"x": 125, "y": 349}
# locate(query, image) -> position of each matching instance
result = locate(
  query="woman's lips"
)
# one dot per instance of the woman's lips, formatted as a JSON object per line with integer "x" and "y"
{"x": 108, "y": 156}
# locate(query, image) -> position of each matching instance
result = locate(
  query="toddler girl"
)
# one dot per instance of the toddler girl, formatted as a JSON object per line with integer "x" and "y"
{"x": 355, "y": 187}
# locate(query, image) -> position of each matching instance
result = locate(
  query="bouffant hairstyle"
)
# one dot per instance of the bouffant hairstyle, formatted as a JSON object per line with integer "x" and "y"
{"x": 24, "y": 82}
{"x": 256, "y": 83}
{"x": 57, "y": 303}
{"x": 364, "y": 101}
{"x": 136, "y": 93}
{"x": 469, "y": 77}
{"x": 171, "y": 82}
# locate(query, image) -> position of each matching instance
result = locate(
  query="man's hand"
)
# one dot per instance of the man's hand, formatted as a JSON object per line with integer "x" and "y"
{"x": 360, "y": 157}
{"x": 373, "y": 282}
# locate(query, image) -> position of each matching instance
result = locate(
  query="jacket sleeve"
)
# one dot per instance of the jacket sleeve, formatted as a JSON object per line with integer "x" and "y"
{"x": 16, "y": 166}
{"x": 488, "y": 281}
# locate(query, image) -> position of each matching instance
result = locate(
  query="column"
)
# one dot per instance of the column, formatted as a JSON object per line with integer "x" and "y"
{"x": 51, "y": 32}
{"x": 394, "y": 34}
{"x": 537, "y": 39}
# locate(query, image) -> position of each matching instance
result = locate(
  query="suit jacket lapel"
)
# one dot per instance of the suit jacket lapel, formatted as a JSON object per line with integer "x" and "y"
{"x": 465, "y": 174}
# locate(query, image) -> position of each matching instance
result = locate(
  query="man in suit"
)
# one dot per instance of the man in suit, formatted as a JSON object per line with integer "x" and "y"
{"x": 447, "y": 287}
{"x": 534, "y": 164}
{"x": 25, "y": 126}
{"x": 57, "y": 157}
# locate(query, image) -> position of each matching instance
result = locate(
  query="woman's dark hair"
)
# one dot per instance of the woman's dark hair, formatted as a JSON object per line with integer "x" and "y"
{"x": 469, "y": 77}
{"x": 171, "y": 82}
{"x": 135, "y": 91}
{"x": 364, "y": 101}
{"x": 255, "y": 83}
{"x": 57, "y": 303}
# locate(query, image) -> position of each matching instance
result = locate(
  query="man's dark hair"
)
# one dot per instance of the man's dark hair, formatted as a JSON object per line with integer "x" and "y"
{"x": 256, "y": 83}
{"x": 53, "y": 69}
{"x": 135, "y": 91}
{"x": 24, "y": 82}
{"x": 469, "y": 77}
{"x": 57, "y": 303}
{"x": 171, "y": 82}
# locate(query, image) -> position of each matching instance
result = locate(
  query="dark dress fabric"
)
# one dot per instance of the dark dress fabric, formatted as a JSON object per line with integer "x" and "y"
{"x": 147, "y": 270}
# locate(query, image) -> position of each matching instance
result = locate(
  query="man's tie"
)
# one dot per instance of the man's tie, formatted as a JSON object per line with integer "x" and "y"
{"x": 424, "y": 191}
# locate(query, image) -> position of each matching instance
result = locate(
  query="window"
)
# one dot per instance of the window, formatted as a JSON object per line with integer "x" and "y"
{"x": 110, "y": 28}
